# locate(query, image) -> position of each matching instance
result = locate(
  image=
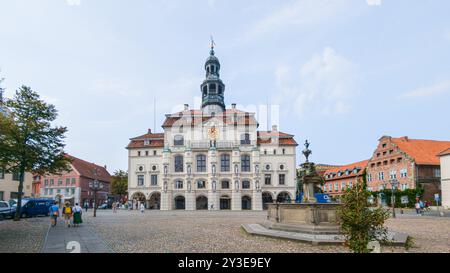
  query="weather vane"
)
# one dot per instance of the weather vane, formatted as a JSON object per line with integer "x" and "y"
{"x": 213, "y": 44}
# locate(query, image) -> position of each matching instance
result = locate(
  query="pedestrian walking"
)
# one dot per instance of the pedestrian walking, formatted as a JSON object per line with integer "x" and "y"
{"x": 142, "y": 208}
{"x": 86, "y": 206}
{"x": 417, "y": 206}
{"x": 54, "y": 213}
{"x": 67, "y": 212}
{"x": 114, "y": 207}
{"x": 77, "y": 211}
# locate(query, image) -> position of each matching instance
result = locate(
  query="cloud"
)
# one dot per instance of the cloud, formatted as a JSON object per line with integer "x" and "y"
{"x": 300, "y": 13}
{"x": 373, "y": 2}
{"x": 428, "y": 91}
{"x": 324, "y": 85}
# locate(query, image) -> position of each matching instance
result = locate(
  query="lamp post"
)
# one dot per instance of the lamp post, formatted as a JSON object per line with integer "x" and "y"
{"x": 394, "y": 184}
{"x": 95, "y": 186}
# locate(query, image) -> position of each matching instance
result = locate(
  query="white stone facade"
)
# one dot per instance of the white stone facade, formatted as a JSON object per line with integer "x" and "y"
{"x": 445, "y": 179}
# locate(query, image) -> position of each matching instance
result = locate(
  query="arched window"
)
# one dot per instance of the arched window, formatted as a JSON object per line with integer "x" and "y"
{"x": 201, "y": 163}
{"x": 220, "y": 90}
{"x": 178, "y": 140}
{"x": 205, "y": 90}
{"x": 245, "y": 163}
{"x": 245, "y": 184}
{"x": 178, "y": 184}
{"x": 201, "y": 184}
{"x": 225, "y": 163}
{"x": 225, "y": 184}
{"x": 179, "y": 164}
{"x": 245, "y": 139}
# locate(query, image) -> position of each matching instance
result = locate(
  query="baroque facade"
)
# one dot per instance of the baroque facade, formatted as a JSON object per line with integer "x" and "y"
{"x": 212, "y": 158}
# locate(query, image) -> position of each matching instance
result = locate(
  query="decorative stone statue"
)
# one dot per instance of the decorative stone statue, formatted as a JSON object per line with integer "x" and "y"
{"x": 310, "y": 178}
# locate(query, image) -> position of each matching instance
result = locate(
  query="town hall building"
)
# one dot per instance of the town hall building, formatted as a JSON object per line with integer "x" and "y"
{"x": 211, "y": 158}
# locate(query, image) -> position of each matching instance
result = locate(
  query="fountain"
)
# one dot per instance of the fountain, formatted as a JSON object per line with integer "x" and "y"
{"x": 307, "y": 220}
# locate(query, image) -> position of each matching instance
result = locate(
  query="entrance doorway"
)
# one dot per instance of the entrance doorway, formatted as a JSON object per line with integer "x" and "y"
{"x": 266, "y": 199}
{"x": 246, "y": 203}
{"x": 225, "y": 202}
{"x": 180, "y": 203}
{"x": 154, "y": 202}
{"x": 201, "y": 203}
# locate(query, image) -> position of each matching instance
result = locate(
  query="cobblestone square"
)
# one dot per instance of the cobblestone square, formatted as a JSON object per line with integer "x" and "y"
{"x": 210, "y": 232}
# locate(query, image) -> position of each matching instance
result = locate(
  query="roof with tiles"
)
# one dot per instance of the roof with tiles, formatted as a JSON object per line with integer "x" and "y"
{"x": 424, "y": 152}
{"x": 195, "y": 117}
{"x": 334, "y": 172}
{"x": 149, "y": 140}
{"x": 445, "y": 152}
{"x": 87, "y": 169}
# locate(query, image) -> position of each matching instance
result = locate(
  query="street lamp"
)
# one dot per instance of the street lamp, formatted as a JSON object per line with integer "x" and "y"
{"x": 394, "y": 184}
{"x": 95, "y": 186}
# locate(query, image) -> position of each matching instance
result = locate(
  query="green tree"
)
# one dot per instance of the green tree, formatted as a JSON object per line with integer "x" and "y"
{"x": 119, "y": 183}
{"x": 28, "y": 141}
{"x": 360, "y": 223}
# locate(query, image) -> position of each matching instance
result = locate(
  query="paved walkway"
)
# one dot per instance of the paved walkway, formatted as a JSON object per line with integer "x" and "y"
{"x": 61, "y": 239}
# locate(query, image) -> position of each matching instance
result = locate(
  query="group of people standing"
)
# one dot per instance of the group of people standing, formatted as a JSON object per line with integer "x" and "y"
{"x": 71, "y": 215}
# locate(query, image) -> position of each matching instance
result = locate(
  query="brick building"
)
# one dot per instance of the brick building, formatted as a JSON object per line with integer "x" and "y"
{"x": 73, "y": 186}
{"x": 412, "y": 162}
{"x": 339, "y": 178}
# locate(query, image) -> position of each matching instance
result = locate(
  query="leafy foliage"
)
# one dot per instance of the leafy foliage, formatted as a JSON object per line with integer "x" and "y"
{"x": 28, "y": 141}
{"x": 361, "y": 224}
{"x": 119, "y": 183}
{"x": 410, "y": 193}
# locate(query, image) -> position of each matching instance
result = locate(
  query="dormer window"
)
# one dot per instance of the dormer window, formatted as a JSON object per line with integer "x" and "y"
{"x": 146, "y": 142}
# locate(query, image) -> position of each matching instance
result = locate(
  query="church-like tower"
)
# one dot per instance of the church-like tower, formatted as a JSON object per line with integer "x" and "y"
{"x": 212, "y": 87}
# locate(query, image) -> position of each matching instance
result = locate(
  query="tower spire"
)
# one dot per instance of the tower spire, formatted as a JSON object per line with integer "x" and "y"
{"x": 212, "y": 87}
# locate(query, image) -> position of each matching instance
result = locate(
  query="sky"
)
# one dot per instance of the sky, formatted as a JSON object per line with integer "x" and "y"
{"x": 342, "y": 73}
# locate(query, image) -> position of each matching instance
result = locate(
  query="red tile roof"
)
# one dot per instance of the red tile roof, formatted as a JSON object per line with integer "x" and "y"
{"x": 265, "y": 137}
{"x": 155, "y": 140}
{"x": 446, "y": 152}
{"x": 424, "y": 152}
{"x": 86, "y": 169}
{"x": 360, "y": 165}
{"x": 195, "y": 117}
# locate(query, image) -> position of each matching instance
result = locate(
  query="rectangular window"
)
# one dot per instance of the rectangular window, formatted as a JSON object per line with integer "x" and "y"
{"x": 73, "y": 191}
{"x": 139, "y": 153}
{"x": 393, "y": 174}
{"x": 154, "y": 180}
{"x": 52, "y": 182}
{"x": 330, "y": 187}
{"x": 16, "y": 177}
{"x": 67, "y": 181}
{"x": 369, "y": 177}
{"x": 140, "y": 181}
{"x": 60, "y": 182}
{"x": 201, "y": 163}
{"x": 336, "y": 186}
{"x": 154, "y": 152}
{"x": 225, "y": 163}
{"x": 179, "y": 164}
{"x": 281, "y": 179}
{"x": 437, "y": 172}
{"x": 46, "y": 182}
{"x": 245, "y": 163}
{"x": 403, "y": 173}
{"x": 2, "y": 174}
{"x": 146, "y": 153}
{"x": 350, "y": 184}
{"x": 268, "y": 179}
{"x": 245, "y": 184}
{"x": 381, "y": 176}
{"x": 343, "y": 186}
{"x": 2, "y": 196}
{"x": 74, "y": 181}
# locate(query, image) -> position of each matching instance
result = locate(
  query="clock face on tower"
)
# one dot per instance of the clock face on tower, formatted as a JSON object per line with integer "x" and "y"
{"x": 213, "y": 133}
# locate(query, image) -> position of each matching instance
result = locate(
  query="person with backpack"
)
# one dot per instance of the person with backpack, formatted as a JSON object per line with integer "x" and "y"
{"x": 54, "y": 213}
{"x": 77, "y": 211}
{"x": 67, "y": 212}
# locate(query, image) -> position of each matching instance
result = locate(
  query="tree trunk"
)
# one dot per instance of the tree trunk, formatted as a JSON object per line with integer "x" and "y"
{"x": 19, "y": 198}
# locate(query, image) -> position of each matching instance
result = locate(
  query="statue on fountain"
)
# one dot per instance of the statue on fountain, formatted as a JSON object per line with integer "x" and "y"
{"x": 309, "y": 178}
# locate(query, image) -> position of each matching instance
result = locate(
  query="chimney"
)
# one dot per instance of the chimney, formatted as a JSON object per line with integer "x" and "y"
{"x": 186, "y": 107}
{"x": 149, "y": 131}
{"x": 105, "y": 167}
{"x": 233, "y": 106}
{"x": 274, "y": 128}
